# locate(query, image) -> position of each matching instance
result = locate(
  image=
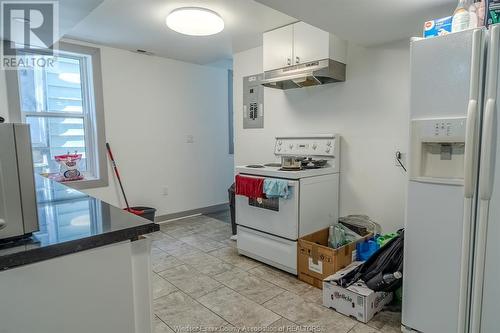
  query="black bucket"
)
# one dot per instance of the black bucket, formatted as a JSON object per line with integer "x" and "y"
{"x": 147, "y": 212}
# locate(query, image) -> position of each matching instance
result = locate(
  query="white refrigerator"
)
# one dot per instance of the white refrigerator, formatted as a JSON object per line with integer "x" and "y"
{"x": 452, "y": 239}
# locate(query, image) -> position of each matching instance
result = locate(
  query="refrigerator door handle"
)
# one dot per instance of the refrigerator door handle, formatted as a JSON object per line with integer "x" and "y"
{"x": 488, "y": 151}
{"x": 470, "y": 134}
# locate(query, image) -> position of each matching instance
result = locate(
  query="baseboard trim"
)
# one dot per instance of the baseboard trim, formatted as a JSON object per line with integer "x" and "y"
{"x": 186, "y": 213}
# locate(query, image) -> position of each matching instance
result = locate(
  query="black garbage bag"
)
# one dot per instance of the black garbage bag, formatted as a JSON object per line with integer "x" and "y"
{"x": 383, "y": 270}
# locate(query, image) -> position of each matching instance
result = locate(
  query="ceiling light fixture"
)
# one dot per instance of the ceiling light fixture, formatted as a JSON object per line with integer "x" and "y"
{"x": 195, "y": 21}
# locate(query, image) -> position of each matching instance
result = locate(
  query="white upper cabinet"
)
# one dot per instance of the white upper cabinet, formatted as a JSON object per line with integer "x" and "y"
{"x": 278, "y": 48}
{"x": 309, "y": 43}
{"x": 299, "y": 43}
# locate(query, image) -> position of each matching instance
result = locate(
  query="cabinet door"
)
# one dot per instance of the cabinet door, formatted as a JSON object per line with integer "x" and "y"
{"x": 278, "y": 48}
{"x": 309, "y": 43}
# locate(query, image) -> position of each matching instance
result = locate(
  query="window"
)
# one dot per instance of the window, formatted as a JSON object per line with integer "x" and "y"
{"x": 63, "y": 105}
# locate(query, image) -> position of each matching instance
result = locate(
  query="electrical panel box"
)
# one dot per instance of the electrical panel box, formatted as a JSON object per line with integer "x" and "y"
{"x": 437, "y": 150}
{"x": 253, "y": 102}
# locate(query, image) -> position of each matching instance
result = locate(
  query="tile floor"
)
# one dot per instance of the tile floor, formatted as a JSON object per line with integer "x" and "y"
{"x": 201, "y": 284}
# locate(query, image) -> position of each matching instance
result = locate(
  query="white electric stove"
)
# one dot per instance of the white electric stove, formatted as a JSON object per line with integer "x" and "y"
{"x": 268, "y": 229}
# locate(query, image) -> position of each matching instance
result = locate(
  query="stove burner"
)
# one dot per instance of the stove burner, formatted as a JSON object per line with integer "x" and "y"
{"x": 310, "y": 163}
{"x": 273, "y": 165}
{"x": 290, "y": 169}
{"x": 255, "y": 166}
{"x": 304, "y": 167}
{"x": 312, "y": 167}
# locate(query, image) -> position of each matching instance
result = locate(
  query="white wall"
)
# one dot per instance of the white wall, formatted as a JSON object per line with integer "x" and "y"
{"x": 151, "y": 105}
{"x": 369, "y": 111}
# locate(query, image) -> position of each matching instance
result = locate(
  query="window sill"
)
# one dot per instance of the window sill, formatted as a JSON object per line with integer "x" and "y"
{"x": 86, "y": 183}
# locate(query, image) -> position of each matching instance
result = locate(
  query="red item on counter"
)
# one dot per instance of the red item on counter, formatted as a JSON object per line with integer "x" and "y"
{"x": 250, "y": 187}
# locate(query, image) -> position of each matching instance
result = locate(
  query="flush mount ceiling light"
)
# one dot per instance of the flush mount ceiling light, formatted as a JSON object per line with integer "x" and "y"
{"x": 195, "y": 21}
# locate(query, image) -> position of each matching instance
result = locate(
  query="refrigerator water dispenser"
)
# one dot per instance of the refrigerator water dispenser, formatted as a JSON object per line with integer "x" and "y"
{"x": 438, "y": 147}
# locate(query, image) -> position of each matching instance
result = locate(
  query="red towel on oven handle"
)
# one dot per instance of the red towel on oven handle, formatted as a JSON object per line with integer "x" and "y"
{"x": 250, "y": 187}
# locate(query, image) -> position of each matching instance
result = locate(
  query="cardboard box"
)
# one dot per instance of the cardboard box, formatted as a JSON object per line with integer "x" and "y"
{"x": 438, "y": 27}
{"x": 316, "y": 260}
{"x": 357, "y": 301}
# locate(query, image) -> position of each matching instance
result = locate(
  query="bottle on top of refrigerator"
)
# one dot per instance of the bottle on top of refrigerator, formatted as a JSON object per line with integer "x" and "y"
{"x": 481, "y": 12}
{"x": 492, "y": 12}
{"x": 476, "y": 12}
{"x": 473, "y": 18}
{"x": 461, "y": 17}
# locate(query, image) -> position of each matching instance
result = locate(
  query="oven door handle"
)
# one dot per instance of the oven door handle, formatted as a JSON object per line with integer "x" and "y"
{"x": 293, "y": 183}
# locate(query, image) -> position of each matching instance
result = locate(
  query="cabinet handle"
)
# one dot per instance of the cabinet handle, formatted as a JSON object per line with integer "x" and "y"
{"x": 289, "y": 61}
{"x": 297, "y": 60}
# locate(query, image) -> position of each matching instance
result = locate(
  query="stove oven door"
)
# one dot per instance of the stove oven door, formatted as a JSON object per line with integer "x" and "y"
{"x": 279, "y": 217}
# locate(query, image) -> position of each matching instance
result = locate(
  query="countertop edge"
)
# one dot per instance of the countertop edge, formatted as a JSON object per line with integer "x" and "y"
{"x": 74, "y": 246}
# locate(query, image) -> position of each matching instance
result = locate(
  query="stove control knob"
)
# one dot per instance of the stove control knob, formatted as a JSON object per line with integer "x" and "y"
{"x": 279, "y": 148}
{"x": 280, "y": 142}
{"x": 315, "y": 146}
{"x": 290, "y": 146}
{"x": 328, "y": 150}
{"x": 329, "y": 143}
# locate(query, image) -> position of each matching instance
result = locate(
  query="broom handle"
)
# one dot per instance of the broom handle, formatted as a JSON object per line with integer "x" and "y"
{"x": 115, "y": 168}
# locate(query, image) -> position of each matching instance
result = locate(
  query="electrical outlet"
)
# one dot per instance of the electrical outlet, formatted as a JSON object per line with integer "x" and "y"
{"x": 165, "y": 191}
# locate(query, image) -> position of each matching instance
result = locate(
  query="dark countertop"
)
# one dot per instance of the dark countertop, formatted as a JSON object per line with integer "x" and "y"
{"x": 71, "y": 221}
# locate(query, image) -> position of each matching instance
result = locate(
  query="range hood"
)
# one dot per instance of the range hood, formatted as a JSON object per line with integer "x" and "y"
{"x": 313, "y": 73}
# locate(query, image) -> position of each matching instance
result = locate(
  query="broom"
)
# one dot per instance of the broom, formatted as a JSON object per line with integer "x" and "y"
{"x": 117, "y": 174}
